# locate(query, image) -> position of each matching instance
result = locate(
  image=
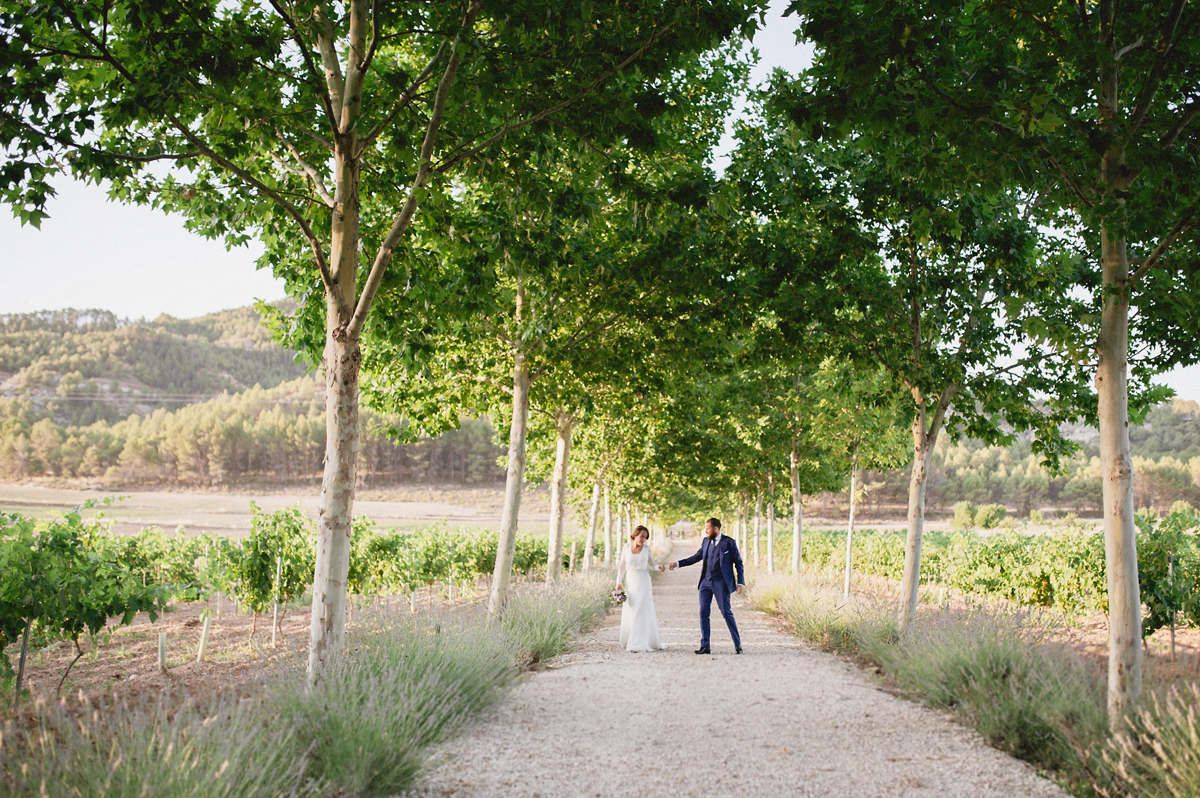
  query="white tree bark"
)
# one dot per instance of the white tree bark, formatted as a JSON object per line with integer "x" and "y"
{"x": 608, "y": 527}
{"x": 911, "y": 583}
{"x": 770, "y": 523}
{"x": 850, "y": 523}
{"x": 342, "y": 360}
{"x": 1116, "y": 462}
{"x": 564, "y": 423}
{"x": 745, "y": 524}
{"x": 737, "y": 525}
{"x": 336, "y": 506}
{"x": 797, "y": 513}
{"x": 593, "y": 522}
{"x": 923, "y": 440}
{"x": 758, "y": 511}
{"x": 514, "y": 480}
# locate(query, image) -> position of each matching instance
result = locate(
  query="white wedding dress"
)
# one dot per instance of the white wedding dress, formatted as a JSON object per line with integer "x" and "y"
{"x": 639, "y": 625}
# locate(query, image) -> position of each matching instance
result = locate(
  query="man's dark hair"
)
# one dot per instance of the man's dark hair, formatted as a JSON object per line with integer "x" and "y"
{"x": 716, "y": 522}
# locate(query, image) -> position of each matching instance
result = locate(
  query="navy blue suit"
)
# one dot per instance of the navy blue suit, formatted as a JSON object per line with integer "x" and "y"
{"x": 717, "y": 560}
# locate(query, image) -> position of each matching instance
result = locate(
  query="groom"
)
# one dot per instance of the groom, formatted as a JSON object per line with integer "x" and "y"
{"x": 718, "y": 555}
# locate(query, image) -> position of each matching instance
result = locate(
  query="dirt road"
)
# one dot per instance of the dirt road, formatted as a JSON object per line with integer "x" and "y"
{"x": 780, "y": 720}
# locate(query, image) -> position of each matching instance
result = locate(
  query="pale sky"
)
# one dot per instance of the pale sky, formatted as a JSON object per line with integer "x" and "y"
{"x": 140, "y": 263}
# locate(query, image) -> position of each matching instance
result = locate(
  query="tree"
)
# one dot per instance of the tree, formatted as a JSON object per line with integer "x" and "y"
{"x": 318, "y": 128}
{"x": 1089, "y": 107}
{"x": 552, "y": 255}
{"x": 948, "y": 291}
{"x": 860, "y": 415}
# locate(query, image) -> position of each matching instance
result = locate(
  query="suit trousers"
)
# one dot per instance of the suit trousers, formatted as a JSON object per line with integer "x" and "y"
{"x": 716, "y": 589}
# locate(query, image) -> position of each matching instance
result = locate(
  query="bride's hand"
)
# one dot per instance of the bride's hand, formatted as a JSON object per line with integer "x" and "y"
{"x": 620, "y": 587}
{"x": 662, "y": 568}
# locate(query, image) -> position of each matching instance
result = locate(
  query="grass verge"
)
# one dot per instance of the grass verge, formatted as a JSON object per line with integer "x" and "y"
{"x": 1027, "y": 696}
{"x": 1158, "y": 755}
{"x": 402, "y": 684}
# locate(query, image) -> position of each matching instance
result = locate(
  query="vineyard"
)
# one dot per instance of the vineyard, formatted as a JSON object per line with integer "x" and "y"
{"x": 1062, "y": 569}
{"x": 69, "y": 577}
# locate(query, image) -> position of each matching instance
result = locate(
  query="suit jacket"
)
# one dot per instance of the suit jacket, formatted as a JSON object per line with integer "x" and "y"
{"x": 729, "y": 558}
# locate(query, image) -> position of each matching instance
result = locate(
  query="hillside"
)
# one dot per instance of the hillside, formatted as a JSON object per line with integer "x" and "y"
{"x": 77, "y": 367}
{"x": 214, "y": 402}
{"x": 206, "y": 402}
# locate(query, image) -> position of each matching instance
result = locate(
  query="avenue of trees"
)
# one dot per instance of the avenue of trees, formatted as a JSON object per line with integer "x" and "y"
{"x": 964, "y": 222}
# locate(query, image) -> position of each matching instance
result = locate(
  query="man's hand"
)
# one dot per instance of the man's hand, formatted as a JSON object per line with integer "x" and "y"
{"x": 673, "y": 566}
{"x": 739, "y": 589}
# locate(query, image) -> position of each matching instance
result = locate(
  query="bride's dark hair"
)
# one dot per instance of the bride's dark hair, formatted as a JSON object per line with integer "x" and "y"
{"x": 637, "y": 530}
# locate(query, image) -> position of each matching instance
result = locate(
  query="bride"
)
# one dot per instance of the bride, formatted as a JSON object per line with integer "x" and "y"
{"x": 639, "y": 626}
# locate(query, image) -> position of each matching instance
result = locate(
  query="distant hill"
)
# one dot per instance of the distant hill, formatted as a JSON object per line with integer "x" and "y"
{"x": 80, "y": 366}
{"x": 1170, "y": 430}
{"x": 206, "y": 402}
{"x": 85, "y": 396}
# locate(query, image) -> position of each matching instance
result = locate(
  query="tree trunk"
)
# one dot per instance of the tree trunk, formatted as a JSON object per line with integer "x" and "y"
{"x": 1116, "y": 469}
{"x": 558, "y": 493}
{"x": 745, "y": 524}
{"x": 911, "y": 583}
{"x": 850, "y": 523}
{"x": 797, "y": 513}
{"x": 1116, "y": 463}
{"x": 336, "y": 509}
{"x": 758, "y": 505}
{"x": 619, "y": 530}
{"x": 770, "y": 523}
{"x": 737, "y": 524}
{"x": 608, "y": 527}
{"x": 507, "y": 542}
{"x": 593, "y": 521}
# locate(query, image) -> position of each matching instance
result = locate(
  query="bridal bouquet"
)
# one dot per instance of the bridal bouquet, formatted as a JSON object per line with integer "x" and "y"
{"x": 619, "y": 597}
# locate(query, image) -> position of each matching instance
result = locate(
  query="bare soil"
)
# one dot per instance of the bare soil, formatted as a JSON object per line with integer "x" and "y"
{"x": 123, "y": 660}
{"x": 229, "y": 513}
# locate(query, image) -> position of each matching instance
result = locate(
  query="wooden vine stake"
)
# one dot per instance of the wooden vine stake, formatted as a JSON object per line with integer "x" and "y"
{"x": 571, "y": 562}
{"x": 21, "y": 665}
{"x": 162, "y": 652}
{"x": 203, "y": 638}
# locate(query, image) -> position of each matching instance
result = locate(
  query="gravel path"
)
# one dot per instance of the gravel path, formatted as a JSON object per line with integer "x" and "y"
{"x": 780, "y": 720}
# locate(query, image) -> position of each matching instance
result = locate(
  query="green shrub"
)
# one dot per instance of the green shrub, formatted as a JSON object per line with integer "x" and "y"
{"x": 280, "y": 544}
{"x": 226, "y": 747}
{"x": 989, "y": 516}
{"x": 820, "y": 615}
{"x": 1158, "y": 755}
{"x": 1168, "y": 566}
{"x": 1065, "y": 570}
{"x": 964, "y": 516}
{"x": 1038, "y": 701}
{"x": 52, "y": 580}
{"x": 402, "y": 684}
{"x": 1035, "y": 700}
{"x": 541, "y": 621}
